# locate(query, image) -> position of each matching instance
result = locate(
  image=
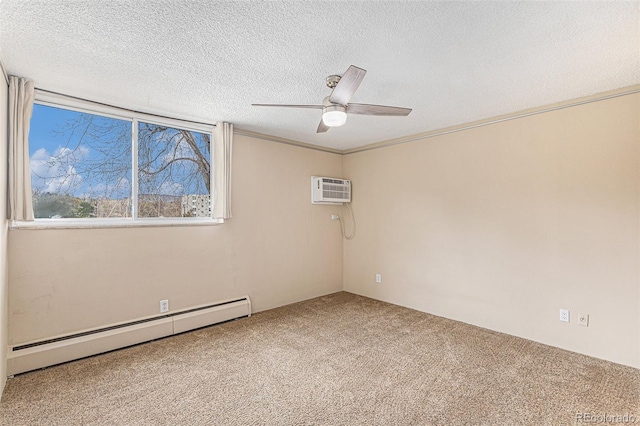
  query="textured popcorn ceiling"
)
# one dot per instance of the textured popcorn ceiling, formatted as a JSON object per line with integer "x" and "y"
{"x": 452, "y": 62}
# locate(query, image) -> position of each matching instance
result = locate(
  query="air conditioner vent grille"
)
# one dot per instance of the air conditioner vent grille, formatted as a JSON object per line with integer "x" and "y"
{"x": 329, "y": 180}
{"x": 330, "y": 190}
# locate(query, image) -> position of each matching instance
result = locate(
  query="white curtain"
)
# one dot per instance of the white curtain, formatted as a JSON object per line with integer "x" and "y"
{"x": 223, "y": 144}
{"x": 21, "y": 93}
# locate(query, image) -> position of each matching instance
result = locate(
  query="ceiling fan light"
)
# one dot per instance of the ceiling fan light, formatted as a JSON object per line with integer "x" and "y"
{"x": 334, "y": 118}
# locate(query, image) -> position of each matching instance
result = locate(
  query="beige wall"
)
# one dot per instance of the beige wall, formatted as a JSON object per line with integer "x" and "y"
{"x": 4, "y": 94}
{"x": 500, "y": 226}
{"x": 278, "y": 249}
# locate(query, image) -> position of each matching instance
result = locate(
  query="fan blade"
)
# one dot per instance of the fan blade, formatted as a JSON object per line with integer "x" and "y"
{"x": 366, "y": 109}
{"x": 347, "y": 86}
{"x": 290, "y": 106}
{"x": 322, "y": 127}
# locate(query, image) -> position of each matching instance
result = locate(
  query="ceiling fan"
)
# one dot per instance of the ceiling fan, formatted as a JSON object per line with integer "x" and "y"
{"x": 336, "y": 106}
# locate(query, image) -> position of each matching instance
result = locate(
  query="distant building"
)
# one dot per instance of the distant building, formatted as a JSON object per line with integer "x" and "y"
{"x": 196, "y": 205}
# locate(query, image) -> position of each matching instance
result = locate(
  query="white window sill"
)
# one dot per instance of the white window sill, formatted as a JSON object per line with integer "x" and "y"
{"x": 111, "y": 223}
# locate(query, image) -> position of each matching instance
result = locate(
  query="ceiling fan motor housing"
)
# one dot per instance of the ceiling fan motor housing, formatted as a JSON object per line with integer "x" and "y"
{"x": 332, "y": 81}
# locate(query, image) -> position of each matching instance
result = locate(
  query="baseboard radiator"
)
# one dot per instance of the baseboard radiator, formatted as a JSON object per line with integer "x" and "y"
{"x": 34, "y": 355}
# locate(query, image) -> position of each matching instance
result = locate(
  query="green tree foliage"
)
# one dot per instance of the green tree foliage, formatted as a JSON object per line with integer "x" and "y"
{"x": 49, "y": 205}
{"x": 85, "y": 209}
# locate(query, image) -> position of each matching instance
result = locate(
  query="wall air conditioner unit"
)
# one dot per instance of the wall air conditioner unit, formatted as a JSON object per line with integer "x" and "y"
{"x": 326, "y": 190}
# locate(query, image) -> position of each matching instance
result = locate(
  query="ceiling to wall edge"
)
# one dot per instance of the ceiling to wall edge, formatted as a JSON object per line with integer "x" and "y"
{"x": 624, "y": 91}
{"x": 271, "y": 138}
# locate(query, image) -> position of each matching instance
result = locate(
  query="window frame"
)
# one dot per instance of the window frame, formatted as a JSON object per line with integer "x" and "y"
{"x": 134, "y": 117}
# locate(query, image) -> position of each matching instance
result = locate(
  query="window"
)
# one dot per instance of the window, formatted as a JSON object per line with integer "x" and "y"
{"x": 173, "y": 172}
{"x": 88, "y": 164}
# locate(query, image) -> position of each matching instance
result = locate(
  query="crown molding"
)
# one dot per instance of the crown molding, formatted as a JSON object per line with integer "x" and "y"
{"x": 271, "y": 138}
{"x": 498, "y": 119}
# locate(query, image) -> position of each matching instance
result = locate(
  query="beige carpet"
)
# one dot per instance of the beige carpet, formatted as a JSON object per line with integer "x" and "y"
{"x": 336, "y": 360}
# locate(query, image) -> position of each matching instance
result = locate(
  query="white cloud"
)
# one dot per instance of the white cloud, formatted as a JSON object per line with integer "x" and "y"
{"x": 57, "y": 172}
{"x": 63, "y": 183}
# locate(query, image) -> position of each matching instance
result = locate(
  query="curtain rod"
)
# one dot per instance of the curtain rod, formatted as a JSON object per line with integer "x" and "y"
{"x": 121, "y": 108}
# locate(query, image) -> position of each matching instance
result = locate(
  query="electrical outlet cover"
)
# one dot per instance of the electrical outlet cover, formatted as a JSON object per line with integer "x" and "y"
{"x": 583, "y": 320}
{"x": 564, "y": 315}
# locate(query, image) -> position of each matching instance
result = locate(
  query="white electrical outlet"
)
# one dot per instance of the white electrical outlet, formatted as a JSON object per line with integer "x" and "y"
{"x": 583, "y": 320}
{"x": 378, "y": 278}
{"x": 164, "y": 305}
{"x": 335, "y": 217}
{"x": 564, "y": 315}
